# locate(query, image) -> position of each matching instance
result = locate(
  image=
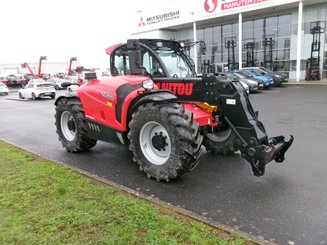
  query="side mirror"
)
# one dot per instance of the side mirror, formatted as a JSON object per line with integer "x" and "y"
{"x": 134, "y": 56}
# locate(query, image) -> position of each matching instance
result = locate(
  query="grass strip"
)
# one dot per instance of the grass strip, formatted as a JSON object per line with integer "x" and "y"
{"x": 45, "y": 203}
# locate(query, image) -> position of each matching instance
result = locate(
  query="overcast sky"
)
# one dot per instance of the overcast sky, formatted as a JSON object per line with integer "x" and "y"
{"x": 60, "y": 29}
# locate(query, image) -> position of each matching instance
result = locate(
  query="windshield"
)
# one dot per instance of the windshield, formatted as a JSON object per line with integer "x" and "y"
{"x": 175, "y": 63}
{"x": 160, "y": 58}
{"x": 255, "y": 73}
{"x": 239, "y": 75}
{"x": 266, "y": 70}
{"x": 231, "y": 77}
{"x": 12, "y": 77}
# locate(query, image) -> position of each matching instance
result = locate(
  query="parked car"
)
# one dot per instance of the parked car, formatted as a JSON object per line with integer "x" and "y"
{"x": 12, "y": 80}
{"x": 60, "y": 74}
{"x": 266, "y": 80}
{"x": 278, "y": 79}
{"x": 57, "y": 82}
{"x": 283, "y": 75}
{"x": 45, "y": 76}
{"x": 37, "y": 88}
{"x": 28, "y": 77}
{"x": 252, "y": 84}
{"x": 4, "y": 79}
{"x": 3, "y": 88}
{"x": 73, "y": 79}
{"x": 229, "y": 76}
{"x": 21, "y": 79}
{"x": 249, "y": 79}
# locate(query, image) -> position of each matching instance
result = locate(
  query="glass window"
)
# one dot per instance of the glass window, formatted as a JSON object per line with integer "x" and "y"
{"x": 235, "y": 29}
{"x": 217, "y": 34}
{"x": 284, "y": 30}
{"x": 152, "y": 65}
{"x": 121, "y": 61}
{"x": 176, "y": 65}
{"x": 247, "y": 30}
{"x": 284, "y": 19}
{"x": 208, "y": 37}
{"x": 271, "y": 21}
{"x": 258, "y": 24}
{"x": 283, "y": 43}
{"x": 227, "y": 30}
{"x": 200, "y": 34}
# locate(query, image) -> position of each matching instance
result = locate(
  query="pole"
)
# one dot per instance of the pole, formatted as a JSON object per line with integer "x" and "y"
{"x": 195, "y": 51}
{"x": 299, "y": 42}
{"x": 240, "y": 43}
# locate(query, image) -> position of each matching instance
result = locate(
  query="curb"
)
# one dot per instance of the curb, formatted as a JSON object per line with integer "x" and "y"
{"x": 322, "y": 82}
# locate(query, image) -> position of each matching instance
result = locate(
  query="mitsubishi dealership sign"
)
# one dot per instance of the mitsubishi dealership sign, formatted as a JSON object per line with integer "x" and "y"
{"x": 159, "y": 18}
{"x": 169, "y": 15}
{"x": 185, "y": 12}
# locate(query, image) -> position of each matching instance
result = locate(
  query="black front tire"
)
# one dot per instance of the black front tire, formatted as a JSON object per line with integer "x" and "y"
{"x": 71, "y": 126}
{"x": 165, "y": 140}
{"x": 222, "y": 142}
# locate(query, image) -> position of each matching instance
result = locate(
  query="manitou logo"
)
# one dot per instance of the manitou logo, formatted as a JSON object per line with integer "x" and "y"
{"x": 177, "y": 88}
{"x": 210, "y": 5}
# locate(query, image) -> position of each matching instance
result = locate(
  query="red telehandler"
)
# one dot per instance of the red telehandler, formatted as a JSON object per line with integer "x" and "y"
{"x": 155, "y": 104}
{"x": 38, "y": 75}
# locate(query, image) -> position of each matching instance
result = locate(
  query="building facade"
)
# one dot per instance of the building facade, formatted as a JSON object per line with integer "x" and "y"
{"x": 283, "y": 35}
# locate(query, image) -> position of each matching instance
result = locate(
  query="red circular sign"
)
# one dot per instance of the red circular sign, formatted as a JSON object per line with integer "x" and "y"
{"x": 210, "y": 5}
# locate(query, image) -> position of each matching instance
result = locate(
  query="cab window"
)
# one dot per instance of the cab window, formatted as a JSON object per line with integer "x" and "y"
{"x": 121, "y": 62}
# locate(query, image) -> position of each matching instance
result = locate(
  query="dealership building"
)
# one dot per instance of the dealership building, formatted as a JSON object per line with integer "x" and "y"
{"x": 283, "y": 35}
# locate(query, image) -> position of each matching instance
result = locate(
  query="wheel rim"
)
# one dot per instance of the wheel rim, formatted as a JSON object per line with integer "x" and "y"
{"x": 68, "y": 125}
{"x": 220, "y": 136}
{"x": 155, "y": 143}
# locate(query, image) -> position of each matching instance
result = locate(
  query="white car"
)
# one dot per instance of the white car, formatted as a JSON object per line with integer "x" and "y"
{"x": 37, "y": 88}
{"x": 57, "y": 82}
{"x": 3, "y": 88}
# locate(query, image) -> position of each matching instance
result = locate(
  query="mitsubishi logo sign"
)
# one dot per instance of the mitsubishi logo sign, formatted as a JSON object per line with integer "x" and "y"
{"x": 141, "y": 23}
{"x": 210, "y": 5}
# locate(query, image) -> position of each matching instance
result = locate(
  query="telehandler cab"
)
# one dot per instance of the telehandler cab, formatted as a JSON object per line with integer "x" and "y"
{"x": 154, "y": 103}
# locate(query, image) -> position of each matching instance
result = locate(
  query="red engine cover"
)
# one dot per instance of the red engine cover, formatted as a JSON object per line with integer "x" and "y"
{"x": 99, "y": 99}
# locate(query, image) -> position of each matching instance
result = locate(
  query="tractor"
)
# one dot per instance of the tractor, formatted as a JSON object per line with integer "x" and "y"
{"x": 155, "y": 103}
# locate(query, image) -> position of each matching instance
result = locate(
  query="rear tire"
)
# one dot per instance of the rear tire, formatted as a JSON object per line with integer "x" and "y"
{"x": 221, "y": 142}
{"x": 165, "y": 140}
{"x": 20, "y": 95}
{"x": 71, "y": 126}
{"x": 33, "y": 96}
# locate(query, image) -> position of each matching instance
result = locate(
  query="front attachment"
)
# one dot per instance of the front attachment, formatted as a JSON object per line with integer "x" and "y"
{"x": 259, "y": 155}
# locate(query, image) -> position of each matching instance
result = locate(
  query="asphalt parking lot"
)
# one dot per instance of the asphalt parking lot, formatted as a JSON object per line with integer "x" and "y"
{"x": 286, "y": 206}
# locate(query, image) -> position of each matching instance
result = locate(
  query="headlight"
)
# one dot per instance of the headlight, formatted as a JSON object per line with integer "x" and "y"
{"x": 148, "y": 84}
{"x": 252, "y": 82}
{"x": 278, "y": 76}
